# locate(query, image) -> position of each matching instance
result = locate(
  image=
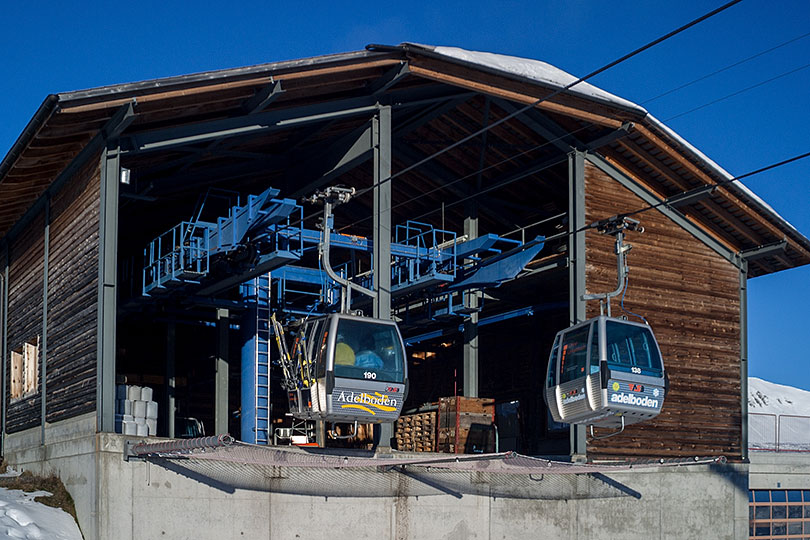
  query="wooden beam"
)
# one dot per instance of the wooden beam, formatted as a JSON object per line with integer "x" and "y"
{"x": 515, "y": 96}
{"x": 211, "y": 88}
{"x": 704, "y": 177}
{"x": 711, "y": 232}
{"x": 648, "y": 160}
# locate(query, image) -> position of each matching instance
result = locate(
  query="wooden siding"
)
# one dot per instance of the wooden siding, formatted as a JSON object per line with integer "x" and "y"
{"x": 25, "y": 314}
{"x": 690, "y": 296}
{"x": 72, "y": 301}
{"x": 73, "y": 296}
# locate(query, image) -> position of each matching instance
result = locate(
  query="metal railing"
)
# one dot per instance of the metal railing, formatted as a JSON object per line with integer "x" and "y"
{"x": 778, "y": 432}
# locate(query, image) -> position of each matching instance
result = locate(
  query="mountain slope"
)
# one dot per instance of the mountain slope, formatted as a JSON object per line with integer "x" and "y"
{"x": 778, "y": 416}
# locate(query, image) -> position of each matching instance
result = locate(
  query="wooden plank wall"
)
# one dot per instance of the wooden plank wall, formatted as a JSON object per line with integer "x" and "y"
{"x": 72, "y": 301}
{"x": 690, "y": 296}
{"x": 73, "y": 296}
{"x": 25, "y": 314}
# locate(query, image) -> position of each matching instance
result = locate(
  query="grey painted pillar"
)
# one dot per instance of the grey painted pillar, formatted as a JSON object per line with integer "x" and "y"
{"x": 744, "y": 355}
{"x": 107, "y": 276}
{"x": 381, "y": 124}
{"x": 221, "y": 377}
{"x": 171, "y": 341}
{"x": 4, "y": 309}
{"x": 43, "y": 345}
{"x": 472, "y": 300}
{"x": 576, "y": 268}
{"x": 381, "y": 132}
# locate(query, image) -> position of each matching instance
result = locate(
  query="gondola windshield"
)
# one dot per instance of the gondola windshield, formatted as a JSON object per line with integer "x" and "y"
{"x": 368, "y": 350}
{"x": 632, "y": 348}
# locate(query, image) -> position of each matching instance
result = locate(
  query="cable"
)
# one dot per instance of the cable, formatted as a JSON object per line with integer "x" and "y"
{"x": 474, "y": 173}
{"x": 738, "y": 92}
{"x": 470, "y": 175}
{"x": 665, "y": 201}
{"x": 553, "y": 94}
{"x": 735, "y": 64}
{"x": 621, "y": 304}
{"x": 525, "y": 108}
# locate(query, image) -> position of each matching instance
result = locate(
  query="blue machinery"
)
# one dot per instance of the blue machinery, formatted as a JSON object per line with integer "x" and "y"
{"x": 260, "y": 245}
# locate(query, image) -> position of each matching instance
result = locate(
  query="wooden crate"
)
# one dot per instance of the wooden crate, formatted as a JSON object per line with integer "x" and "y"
{"x": 416, "y": 432}
{"x": 466, "y": 422}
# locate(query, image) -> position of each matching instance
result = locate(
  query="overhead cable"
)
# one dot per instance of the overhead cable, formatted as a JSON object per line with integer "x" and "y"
{"x": 553, "y": 94}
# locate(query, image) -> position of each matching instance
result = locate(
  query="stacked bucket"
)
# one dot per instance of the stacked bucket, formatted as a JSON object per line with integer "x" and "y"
{"x": 135, "y": 412}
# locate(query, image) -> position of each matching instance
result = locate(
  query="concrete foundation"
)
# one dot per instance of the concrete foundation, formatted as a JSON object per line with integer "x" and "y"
{"x": 779, "y": 470}
{"x": 136, "y": 500}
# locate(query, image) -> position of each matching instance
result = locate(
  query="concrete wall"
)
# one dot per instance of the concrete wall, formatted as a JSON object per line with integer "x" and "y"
{"x": 123, "y": 500}
{"x": 779, "y": 470}
{"x": 70, "y": 452}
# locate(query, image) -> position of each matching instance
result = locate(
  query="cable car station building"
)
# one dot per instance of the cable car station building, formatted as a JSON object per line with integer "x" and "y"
{"x": 149, "y": 231}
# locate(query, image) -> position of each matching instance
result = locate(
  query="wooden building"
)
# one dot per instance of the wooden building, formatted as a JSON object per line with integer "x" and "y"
{"x": 97, "y": 174}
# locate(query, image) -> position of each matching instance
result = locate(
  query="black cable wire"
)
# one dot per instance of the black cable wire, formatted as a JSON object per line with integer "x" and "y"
{"x": 696, "y": 190}
{"x": 726, "y": 68}
{"x": 553, "y": 94}
{"x": 516, "y": 113}
{"x": 474, "y": 173}
{"x": 738, "y": 92}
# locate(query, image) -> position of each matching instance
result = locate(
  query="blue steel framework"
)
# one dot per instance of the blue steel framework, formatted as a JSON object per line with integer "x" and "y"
{"x": 422, "y": 259}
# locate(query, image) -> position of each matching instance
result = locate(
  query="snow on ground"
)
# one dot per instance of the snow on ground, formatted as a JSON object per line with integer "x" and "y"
{"x": 22, "y": 517}
{"x": 779, "y": 416}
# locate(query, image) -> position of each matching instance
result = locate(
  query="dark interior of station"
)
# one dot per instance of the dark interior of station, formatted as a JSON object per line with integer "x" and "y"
{"x": 509, "y": 179}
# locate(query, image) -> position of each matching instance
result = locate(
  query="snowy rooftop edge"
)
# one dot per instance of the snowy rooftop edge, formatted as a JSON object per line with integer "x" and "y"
{"x": 534, "y": 70}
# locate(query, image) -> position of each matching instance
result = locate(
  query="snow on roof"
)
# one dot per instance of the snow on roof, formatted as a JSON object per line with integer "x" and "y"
{"x": 549, "y": 75}
{"x": 534, "y": 70}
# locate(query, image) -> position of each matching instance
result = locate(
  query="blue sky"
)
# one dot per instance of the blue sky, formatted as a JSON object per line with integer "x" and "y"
{"x": 48, "y": 47}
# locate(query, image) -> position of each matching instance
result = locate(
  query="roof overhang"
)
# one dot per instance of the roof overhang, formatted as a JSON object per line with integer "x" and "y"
{"x": 586, "y": 118}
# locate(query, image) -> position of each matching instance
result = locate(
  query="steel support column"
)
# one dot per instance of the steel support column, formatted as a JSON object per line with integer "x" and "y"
{"x": 221, "y": 377}
{"x": 107, "y": 288}
{"x": 381, "y": 133}
{"x": 744, "y": 356}
{"x": 576, "y": 268}
{"x": 4, "y": 314}
{"x": 381, "y": 127}
{"x": 171, "y": 333}
{"x": 472, "y": 301}
{"x": 43, "y": 345}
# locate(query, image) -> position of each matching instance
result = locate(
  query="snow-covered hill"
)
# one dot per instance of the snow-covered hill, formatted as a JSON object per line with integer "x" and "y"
{"x": 22, "y": 517}
{"x": 779, "y": 416}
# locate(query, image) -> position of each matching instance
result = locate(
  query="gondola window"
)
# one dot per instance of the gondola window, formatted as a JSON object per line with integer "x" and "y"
{"x": 365, "y": 350}
{"x": 574, "y": 354}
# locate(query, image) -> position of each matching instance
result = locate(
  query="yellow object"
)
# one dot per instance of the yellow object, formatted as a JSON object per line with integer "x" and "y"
{"x": 344, "y": 355}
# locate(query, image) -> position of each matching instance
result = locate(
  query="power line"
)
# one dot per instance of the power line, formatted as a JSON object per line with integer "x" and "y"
{"x": 726, "y": 68}
{"x": 738, "y": 92}
{"x": 531, "y": 106}
{"x": 683, "y": 194}
{"x": 474, "y": 173}
{"x": 554, "y": 94}
{"x": 512, "y": 158}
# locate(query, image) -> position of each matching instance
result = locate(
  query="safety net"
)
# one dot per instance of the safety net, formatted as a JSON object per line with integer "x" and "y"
{"x": 229, "y": 465}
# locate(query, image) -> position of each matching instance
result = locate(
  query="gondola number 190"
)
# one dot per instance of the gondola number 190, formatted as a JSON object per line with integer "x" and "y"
{"x": 369, "y": 375}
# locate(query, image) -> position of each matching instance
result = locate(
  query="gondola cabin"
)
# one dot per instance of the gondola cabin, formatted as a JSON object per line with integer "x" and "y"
{"x": 605, "y": 372}
{"x": 358, "y": 370}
